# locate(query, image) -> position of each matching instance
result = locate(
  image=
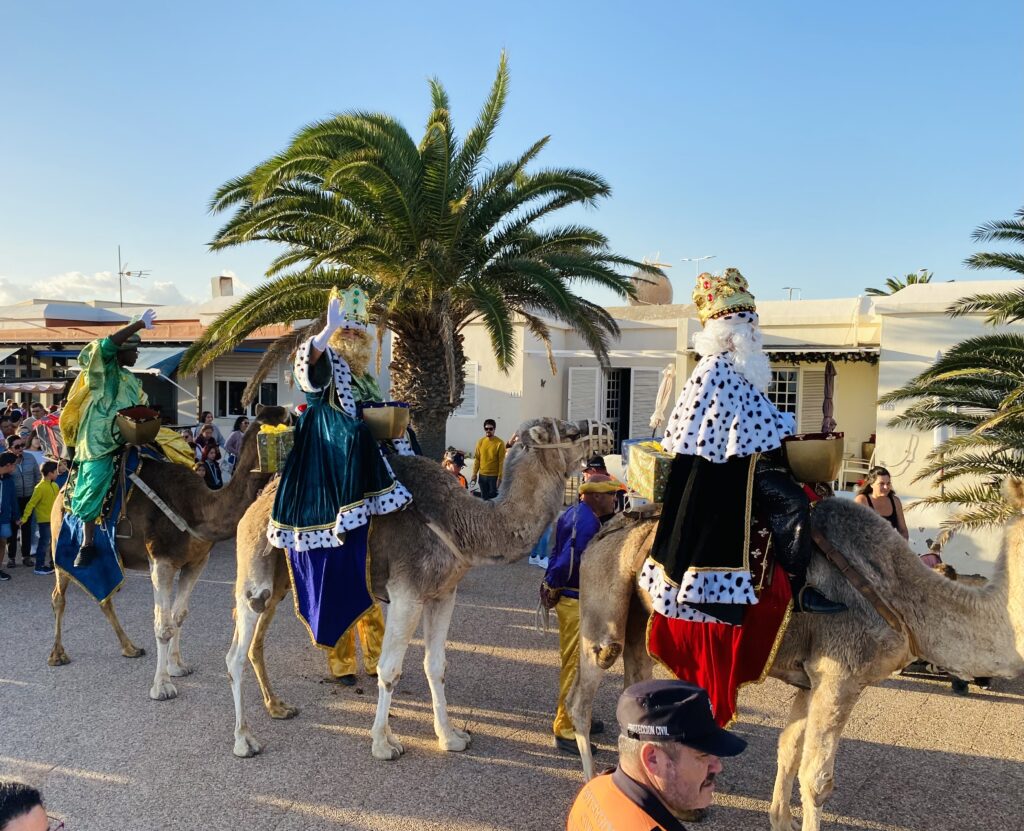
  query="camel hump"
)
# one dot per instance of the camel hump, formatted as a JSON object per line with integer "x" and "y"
{"x": 1013, "y": 490}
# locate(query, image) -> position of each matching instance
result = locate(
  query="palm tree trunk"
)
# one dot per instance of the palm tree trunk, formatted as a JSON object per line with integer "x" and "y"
{"x": 419, "y": 376}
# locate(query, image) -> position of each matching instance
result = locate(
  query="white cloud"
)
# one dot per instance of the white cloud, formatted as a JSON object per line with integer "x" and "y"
{"x": 74, "y": 285}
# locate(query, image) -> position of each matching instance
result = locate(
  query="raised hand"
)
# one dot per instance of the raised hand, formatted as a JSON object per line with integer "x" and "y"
{"x": 148, "y": 318}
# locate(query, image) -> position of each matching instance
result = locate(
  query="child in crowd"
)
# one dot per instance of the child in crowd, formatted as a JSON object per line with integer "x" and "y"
{"x": 8, "y": 505}
{"x": 211, "y": 468}
{"x": 41, "y": 502}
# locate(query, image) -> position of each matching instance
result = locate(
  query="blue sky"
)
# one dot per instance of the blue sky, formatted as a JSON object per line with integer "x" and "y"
{"x": 819, "y": 145}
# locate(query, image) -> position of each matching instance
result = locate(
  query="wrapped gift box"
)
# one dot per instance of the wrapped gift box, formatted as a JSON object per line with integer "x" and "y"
{"x": 273, "y": 446}
{"x": 647, "y": 470}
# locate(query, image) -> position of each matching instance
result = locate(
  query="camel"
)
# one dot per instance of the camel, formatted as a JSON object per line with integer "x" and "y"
{"x": 971, "y": 631}
{"x": 418, "y": 557}
{"x": 156, "y": 545}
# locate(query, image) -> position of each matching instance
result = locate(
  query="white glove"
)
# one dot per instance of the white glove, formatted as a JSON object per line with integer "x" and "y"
{"x": 148, "y": 318}
{"x": 334, "y": 320}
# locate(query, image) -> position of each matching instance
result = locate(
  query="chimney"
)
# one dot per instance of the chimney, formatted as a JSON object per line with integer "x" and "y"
{"x": 223, "y": 286}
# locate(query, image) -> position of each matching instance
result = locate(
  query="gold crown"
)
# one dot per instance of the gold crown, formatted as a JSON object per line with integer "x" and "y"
{"x": 354, "y": 307}
{"x": 721, "y": 294}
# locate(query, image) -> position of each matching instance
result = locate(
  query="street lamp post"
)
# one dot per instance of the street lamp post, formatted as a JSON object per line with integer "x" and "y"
{"x": 696, "y": 262}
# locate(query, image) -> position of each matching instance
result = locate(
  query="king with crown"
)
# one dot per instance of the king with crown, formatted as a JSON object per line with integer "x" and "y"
{"x": 336, "y": 476}
{"x": 726, "y": 437}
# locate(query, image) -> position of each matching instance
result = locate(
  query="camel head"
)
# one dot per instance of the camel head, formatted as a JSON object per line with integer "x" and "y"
{"x": 569, "y": 443}
{"x": 268, "y": 414}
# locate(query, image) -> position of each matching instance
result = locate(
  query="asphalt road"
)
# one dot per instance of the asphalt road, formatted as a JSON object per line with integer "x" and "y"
{"x": 106, "y": 757}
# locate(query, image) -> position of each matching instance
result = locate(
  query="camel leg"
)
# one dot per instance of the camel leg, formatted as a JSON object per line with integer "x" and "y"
{"x": 791, "y": 741}
{"x": 636, "y": 662}
{"x": 437, "y": 618}
{"x": 403, "y": 617}
{"x": 832, "y": 701}
{"x": 246, "y": 620}
{"x": 128, "y": 649}
{"x": 187, "y": 579}
{"x": 162, "y": 575}
{"x": 581, "y": 705}
{"x": 276, "y": 707}
{"x": 58, "y": 657}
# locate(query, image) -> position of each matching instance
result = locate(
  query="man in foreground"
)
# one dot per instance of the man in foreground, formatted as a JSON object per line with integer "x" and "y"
{"x": 669, "y": 756}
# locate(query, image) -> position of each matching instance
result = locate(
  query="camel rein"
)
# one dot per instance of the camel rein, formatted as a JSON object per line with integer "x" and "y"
{"x": 861, "y": 584}
{"x": 168, "y": 512}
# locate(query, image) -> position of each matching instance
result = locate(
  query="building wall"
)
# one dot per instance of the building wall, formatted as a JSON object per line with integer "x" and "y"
{"x": 910, "y": 344}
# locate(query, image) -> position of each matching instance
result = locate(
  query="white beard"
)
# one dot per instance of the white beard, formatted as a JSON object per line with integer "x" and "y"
{"x": 742, "y": 340}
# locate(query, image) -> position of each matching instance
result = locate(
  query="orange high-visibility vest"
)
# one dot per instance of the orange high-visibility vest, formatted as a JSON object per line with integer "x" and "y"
{"x": 601, "y": 806}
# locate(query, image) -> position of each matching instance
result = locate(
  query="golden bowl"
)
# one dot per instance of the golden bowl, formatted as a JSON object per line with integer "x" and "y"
{"x": 387, "y": 421}
{"x": 814, "y": 457}
{"x": 138, "y": 425}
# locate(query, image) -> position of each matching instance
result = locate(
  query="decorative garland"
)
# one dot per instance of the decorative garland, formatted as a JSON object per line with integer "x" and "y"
{"x": 822, "y": 357}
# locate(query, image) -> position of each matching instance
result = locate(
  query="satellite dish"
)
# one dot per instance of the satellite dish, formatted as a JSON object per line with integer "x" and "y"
{"x": 651, "y": 289}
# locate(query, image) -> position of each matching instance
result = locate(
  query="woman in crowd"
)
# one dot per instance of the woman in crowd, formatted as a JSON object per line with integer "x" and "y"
{"x": 206, "y": 420}
{"x": 34, "y": 448}
{"x": 205, "y": 439}
{"x": 877, "y": 494}
{"x": 233, "y": 446}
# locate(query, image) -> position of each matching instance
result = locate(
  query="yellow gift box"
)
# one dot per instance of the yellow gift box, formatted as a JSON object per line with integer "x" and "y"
{"x": 273, "y": 444}
{"x": 647, "y": 470}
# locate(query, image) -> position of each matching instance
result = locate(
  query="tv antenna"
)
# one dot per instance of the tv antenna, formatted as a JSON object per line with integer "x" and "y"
{"x": 123, "y": 272}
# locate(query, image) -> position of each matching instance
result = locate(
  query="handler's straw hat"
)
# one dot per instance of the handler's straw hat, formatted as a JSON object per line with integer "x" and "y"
{"x": 600, "y": 483}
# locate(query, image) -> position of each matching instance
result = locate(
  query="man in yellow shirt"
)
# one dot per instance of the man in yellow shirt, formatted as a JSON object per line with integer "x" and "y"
{"x": 488, "y": 461}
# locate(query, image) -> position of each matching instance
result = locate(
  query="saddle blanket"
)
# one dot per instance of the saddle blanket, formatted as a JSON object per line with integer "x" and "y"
{"x": 331, "y": 587}
{"x": 105, "y": 574}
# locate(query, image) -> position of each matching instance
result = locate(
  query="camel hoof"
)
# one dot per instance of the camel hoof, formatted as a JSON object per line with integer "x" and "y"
{"x": 458, "y": 741}
{"x": 695, "y": 815}
{"x": 133, "y": 651}
{"x": 180, "y": 670}
{"x": 163, "y": 691}
{"x": 246, "y": 746}
{"x": 278, "y": 709}
{"x": 387, "y": 750}
{"x": 58, "y": 658}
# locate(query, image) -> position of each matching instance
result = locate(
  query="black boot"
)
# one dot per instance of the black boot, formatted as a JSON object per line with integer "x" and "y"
{"x": 86, "y": 554}
{"x": 813, "y": 602}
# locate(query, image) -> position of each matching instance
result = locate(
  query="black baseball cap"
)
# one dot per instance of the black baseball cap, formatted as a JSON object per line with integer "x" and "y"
{"x": 674, "y": 711}
{"x": 595, "y": 463}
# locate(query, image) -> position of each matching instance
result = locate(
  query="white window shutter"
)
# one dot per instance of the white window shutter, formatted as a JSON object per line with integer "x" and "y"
{"x": 584, "y": 393}
{"x": 468, "y": 405}
{"x": 812, "y": 396}
{"x": 643, "y": 397}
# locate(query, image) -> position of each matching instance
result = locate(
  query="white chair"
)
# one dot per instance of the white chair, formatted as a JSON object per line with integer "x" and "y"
{"x": 853, "y": 469}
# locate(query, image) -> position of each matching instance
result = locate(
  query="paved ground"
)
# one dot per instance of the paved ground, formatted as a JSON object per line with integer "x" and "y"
{"x": 106, "y": 757}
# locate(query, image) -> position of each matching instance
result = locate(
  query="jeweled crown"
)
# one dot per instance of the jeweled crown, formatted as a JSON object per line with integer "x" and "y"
{"x": 721, "y": 294}
{"x": 354, "y": 306}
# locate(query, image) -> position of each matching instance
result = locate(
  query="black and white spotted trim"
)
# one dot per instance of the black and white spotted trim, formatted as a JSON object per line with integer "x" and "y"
{"x": 340, "y": 373}
{"x": 403, "y": 447}
{"x": 359, "y": 514}
{"x": 734, "y": 587}
{"x": 720, "y": 414}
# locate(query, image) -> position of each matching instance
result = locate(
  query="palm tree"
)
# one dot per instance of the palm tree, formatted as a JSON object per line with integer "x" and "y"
{"x": 439, "y": 240}
{"x": 975, "y": 394}
{"x": 894, "y": 284}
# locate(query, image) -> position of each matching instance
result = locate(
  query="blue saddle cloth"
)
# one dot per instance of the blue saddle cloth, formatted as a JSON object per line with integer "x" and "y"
{"x": 104, "y": 575}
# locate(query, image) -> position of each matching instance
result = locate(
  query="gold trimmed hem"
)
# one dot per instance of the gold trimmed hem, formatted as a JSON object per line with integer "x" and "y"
{"x": 351, "y": 626}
